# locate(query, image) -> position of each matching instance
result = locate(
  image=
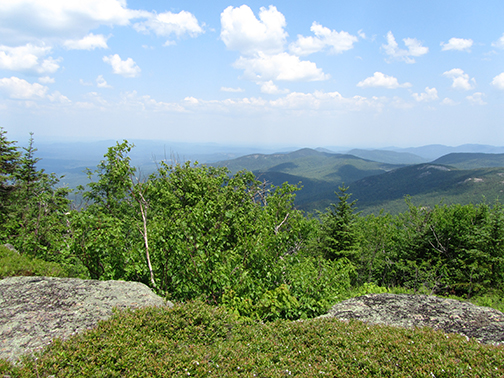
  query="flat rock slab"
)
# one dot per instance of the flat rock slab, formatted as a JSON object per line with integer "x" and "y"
{"x": 35, "y": 310}
{"x": 407, "y": 310}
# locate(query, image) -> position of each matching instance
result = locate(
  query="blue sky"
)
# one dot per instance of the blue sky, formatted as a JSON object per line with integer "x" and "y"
{"x": 321, "y": 73}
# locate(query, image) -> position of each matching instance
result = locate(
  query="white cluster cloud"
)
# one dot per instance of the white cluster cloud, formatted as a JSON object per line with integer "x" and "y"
{"x": 89, "y": 42}
{"x": 499, "y": 43}
{"x": 283, "y": 66}
{"x": 476, "y": 98}
{"x": 458, "y": 44}
{"x": 28, "y": 58}
{"x": 338, "y": 42}
{"x": 448, "y": 101}
{"x": 498, "y": 81}
{"x": 232, "y": 90}
{"x": 126, "y": 68}
{"x": 270, "y": 88}
{"x": 261, "y": 44}
{"x": 298, "y": 103}
{"x": 430, "y": 94}
{"x": 460, "y": 79}
{"x": 168, "y": 23}
{"x": 242, "y": 31}
{"x": 20, "y": 89}
{"x": 381, "y": 80}
{"x": 28, "y": 20}
{"x": 30, "y": 28}
{"x": 101, "y": 82}
{"x": 414, "y": 46}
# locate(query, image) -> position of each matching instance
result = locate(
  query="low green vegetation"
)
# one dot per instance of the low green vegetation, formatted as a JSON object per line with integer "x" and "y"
{"x": 194, "y": 232}
{"x": 196, "y": 339}
{"x": 13, "y": 264}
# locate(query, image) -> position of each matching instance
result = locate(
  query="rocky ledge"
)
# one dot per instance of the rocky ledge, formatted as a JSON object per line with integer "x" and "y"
{"x": 35, "y": 310}
{"x": 406, "y": 310}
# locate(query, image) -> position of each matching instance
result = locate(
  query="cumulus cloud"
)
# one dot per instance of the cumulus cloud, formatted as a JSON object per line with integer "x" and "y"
{"x": 499, "y": 43}
{"x": 458, "y": 44}
{"x": 270, "y": 88}
{"x": 242, "y": 31}
{"x": 27, "y": 20}
{"x": 261, "y": 43}
{"x": 233, "y": 90}
{"x": 381, "y": 80}
{"x": 46, "y": 80}
{"x": 281, "y": 66}
{"x": 168, "y": 23}
{"x": 297, "y": 102}
{"x": 69, "y": 23}
{"x": 101, "y": 82}
{"x": 498, "y": 81}
{"x": 337, "y": 42}
{"x": 460, "y": 79}
{"x": 89, "y": 42}
{"x": 476, "y": 98}
{"x": 28, "y": 58}
{"x": 430, "y": 94}
{"x": 448, "y": 101}
{"x": 20, "y": 89}
{"x": 126, "y": 68}
{"x": 331, "y": 101}
{"x": 414, "y": 49}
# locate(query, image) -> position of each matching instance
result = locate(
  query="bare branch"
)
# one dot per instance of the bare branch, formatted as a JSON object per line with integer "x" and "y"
{"x": 280, "y": 225}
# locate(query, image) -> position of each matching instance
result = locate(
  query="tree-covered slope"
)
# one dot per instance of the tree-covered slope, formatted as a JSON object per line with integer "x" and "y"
{"x": 471, "y": 160}
{"x": 428, "y": 184}
{"x": 311, "y": 164}
{"x": 389, "y": 157}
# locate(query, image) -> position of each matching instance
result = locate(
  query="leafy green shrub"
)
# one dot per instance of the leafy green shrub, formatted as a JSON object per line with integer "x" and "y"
{"x": 318, "y": 283}
{"x": 272, "y": 305}
{"x": 13, "y": 264}
{"x": 190, "y": 231}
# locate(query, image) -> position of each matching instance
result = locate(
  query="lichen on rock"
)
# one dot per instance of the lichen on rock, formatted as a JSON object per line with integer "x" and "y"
{"x": 35, "y": 310}
{"x": 407, "y": 310}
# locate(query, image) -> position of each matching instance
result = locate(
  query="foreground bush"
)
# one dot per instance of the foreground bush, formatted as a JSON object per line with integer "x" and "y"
{"x": 13, "y": 264}
{"x": 204, "y": 341}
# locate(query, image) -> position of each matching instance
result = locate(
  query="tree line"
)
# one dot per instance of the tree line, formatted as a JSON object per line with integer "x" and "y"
{"x": 195, "y": 231}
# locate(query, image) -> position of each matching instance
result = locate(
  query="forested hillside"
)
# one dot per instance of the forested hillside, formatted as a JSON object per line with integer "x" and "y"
{"x": 462, "y": 178}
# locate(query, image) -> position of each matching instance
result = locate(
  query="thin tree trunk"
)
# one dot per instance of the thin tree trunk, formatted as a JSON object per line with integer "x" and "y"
{"x": 146, "y": 239}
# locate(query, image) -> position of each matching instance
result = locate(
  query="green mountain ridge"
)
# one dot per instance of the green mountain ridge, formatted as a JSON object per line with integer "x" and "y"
{"x": 376, "y": 185}
{"x": 310, "y": 164}
{"x": 471, "y": 160}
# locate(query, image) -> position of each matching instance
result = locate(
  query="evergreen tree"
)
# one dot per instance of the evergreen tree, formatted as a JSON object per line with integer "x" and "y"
{"x": 34, "y": 214}
{"x": 9, "y": 161}
{"x": 338, "y": 233}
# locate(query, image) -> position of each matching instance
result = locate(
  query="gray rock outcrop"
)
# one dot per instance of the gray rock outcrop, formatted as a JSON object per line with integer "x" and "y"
{"x": 406, "y": 310}
{"x": 35, "y": 310}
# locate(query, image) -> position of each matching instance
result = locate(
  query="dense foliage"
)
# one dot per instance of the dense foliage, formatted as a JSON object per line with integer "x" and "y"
{"x": 444, "y": 250}
{"x": 191, "y": 231}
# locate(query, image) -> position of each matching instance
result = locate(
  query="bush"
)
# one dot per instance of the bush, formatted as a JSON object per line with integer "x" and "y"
{"x": 13, "y": 264}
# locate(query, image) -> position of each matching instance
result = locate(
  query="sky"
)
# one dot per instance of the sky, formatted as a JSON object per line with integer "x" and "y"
{"x": 357, "y": 73}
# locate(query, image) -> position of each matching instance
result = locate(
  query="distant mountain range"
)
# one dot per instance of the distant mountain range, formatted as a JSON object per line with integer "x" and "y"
{"x": 378, "y": 179}
{"x": 454, "y": 178}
